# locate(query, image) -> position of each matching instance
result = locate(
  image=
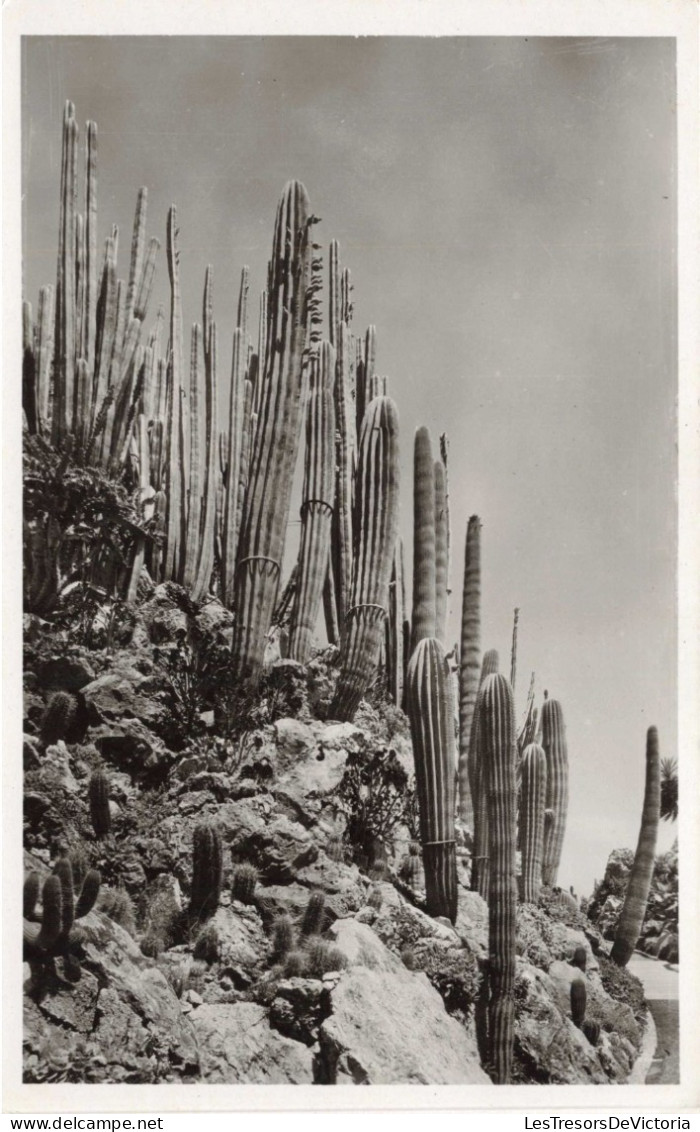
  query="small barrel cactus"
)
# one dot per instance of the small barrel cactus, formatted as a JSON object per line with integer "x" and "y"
{"x": 98, "y": 793}
{"x": 245, "y": 878}
{"x": 282, "y": 936}
{"x": 580, "y": 958}
{"x": 314, "y": 915}
{"x": 591, "y": 1030}
{"x": 324, "y": 957}
{"x": 295, "y": 964}
{"x": 58, "y": 717}
{"x": 578, "y": 1002}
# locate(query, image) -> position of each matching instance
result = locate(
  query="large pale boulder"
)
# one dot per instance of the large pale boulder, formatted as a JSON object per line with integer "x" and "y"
{"x": 238, "y": 1047}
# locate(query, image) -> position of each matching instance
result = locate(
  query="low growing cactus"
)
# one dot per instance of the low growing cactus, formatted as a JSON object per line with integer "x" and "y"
{"x": 207, "y": 872}
{"x": 314, "y": 915}
{"x": 98, "y": 793}
{"x": 324, "y": 957}
{"x": 282, "y": 937}
{"x": 245, "y": 878}
{"x": 58, "y": 717}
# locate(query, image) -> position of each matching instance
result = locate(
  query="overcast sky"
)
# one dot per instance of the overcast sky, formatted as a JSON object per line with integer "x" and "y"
{"x": 507, "y": 209}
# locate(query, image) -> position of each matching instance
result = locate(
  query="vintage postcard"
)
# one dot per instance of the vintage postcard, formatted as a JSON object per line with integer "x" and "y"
{"x": 351, "y": 587}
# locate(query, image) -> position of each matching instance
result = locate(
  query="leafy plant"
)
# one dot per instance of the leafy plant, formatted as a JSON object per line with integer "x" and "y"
{"x": 375, "y": 796}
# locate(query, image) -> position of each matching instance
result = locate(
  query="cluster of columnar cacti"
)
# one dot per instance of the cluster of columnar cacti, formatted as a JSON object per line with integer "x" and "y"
{"x": 635, "y": 903}
{"x": 49, "y": 933}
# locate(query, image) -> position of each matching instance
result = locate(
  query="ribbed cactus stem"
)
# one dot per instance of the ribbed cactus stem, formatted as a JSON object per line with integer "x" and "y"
{"x": 145, "y": 286}
{"x": 531, "y": 827}
{"x": 236, "y": 424}
{"x": 554, "y": 743}
{"x": 345, "y": 445}
{"x": 377, "y": 511}
{"x": 634, "y": 908}
{"x": 430, "y": 711}
{"x": 441, "y": 543}
{"x": 90, "y": 306}
{"x": 395, "y": 628}
{"x": 194, "y": 509}
{"x": 29, "y": 382}
{"x": 478, "y": 786}
{"x": 497, "y": 724}
{"x": 578, "y": 996}
{"x": 62, "y": 420}
{"x": 514, "y": 649}
{"x": 469, "y": 661}
{"x": 44, "y": 355}
{"x": 79, "y": 290}
{"x": 424, "y": 584}
{"x": 174, "y": 476}
{"x": 207, "y": 872}
{"x": 138, "y": 241}
{"x": 365, "y": 375}
{"x": 205, "y": 563}
{"x": 98, "y": 791}
{"x": 106, "y": 321}
{"x": 316, "y": 506}
{"x": 263, "y": 529}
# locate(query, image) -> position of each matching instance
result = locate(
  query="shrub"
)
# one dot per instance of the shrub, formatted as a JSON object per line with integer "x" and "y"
{"x": 624, "y": 987}
{"x": 375, "y": 796}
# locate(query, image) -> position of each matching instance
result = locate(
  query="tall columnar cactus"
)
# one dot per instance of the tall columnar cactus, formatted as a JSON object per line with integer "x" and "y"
{"x": 497, "y": 725}
{"x": 345, "y": 441}
{"x": 514, "y": 649}
{"x": 366, "y": 356}
{"x": 554, "y": 743}
{"x": 395, "y": 648}
{"x": 98, "y": 793}
{"x": 44, "y": 354}
{"x": 430, "y": 711}
{"x": 531, "y": 829}
{"x": 630, "y": 923}
{"x": 441, "y": 550}
{"x": 377, "y": 520}
{"x": 90, "y": 304}
{"x": 262, "y": 536}
{"x": 469, "y": 661}
{"x": 237, "y": 420}
{"x": 205, "y": 561}
{"x": 207, "y": 872}
{"x": 424, "y": 575}
{"x": 478, "y": 786}
{"x": 64, "y": 341}
{"x": 316, "y": 506}
{"x": 176, "y": 481}
{"x": 197, "y": 462}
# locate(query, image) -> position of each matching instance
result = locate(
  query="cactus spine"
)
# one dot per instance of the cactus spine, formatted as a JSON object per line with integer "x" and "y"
{"x": 430, "y": 711}
{"x": 633, "y": 910}
{"x": 317, "y": 505}
{"x": 469, "y": 663}
{"x": 377, "y": 515}
{"x": 497, "y": 725}
{"x": 267, "y": 499}
{"x": 532, "y": 805}
{"x": 554, "y": 743}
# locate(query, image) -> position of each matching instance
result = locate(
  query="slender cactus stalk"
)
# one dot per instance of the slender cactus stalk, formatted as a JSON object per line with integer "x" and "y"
{"x": 478, "y": 786}
{"x": 441, "y": 543}
{"x": 62, "y": 420}
{"x": 424, "y": 584}
{"x": 531, "y": 827}
{"x": 497, "y": 724}
{"x": 554, "y": 743}
{"x": 514, "y": 649}
{"x": 431, "y": 713}
{"x": 317, "y": 505}
{"x": 377, "y": 510}
{"x": 395, "y": 628}
{"x": 137, "y": 245}
{"x": 90, "y": 308}
{"x": 469, "y": 664}
{"x": 194, "y": 509}
{"x": 263, "y": 530}
{"x": 236, "y": 423}
{"x": 172, "y": 550}
{"x": 44, "y": 355}
{"x": 30, "y": 399}
{"x": 205, "y": 563}
{"x": 634, "y": 908}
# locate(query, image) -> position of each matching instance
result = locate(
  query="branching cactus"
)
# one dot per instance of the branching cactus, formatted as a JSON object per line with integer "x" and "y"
{"x": 264, "y": 523}
{"x": 469, "y": 661}
{"x": 424, "y": 579}
{"x": 207, "y": 872}
{"x": 430, "y": 711}
{"x": 634, "y": 907}
{"x": 52, "y": 934}
{"x": 531, "y": 830}
{"x": 497, "y": 726}
{"x": 478, "y": 786}
{"x": 377, "y": 514}
{"x": 554, "y": 743}
{"x": 317, "y": 505}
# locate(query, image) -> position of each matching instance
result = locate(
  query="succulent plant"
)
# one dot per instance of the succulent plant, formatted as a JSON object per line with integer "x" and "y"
{"x": 424, "y": 571}
{"x": 54, "y": 934}
{"x": 531, "y": 825}
{"x": 591, "y": 1030}
{"x": 469, "y": 661}
{"x": 98, "y": 793}
{"x": 497, "y": 727}
{"x": 634, "y": 907}
{"x": 282, "y": 936}
{"x": 580, "y": 958}
{"x": 245, "y": 878}
{"x": 430, "y": 711}
{"x": 58, "y": 717}
{"x": 314, "y": 915}
{"x": 557, "y": 800}
{"x": 578, "y": 1002}
{"x": 478, "y": 786}
{"x": 323, "y": 957}
{"x": 295, "y": 964}
{"x": 207, "y": 872}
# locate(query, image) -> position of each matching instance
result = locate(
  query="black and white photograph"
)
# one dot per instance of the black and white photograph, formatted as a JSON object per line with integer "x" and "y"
{"x": 351, "y": 714}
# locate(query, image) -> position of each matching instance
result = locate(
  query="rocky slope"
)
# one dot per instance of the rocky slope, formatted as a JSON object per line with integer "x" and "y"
{"x": 376, "y": 993}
